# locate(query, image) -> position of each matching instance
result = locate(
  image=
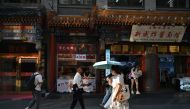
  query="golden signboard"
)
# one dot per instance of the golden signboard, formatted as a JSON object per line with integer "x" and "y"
{"x": 162, "y": 49}
{"x": 174, "y": 49}
{"x": 125, "y": 48}
{"x": 138, "y": 48}
{"x": 185, "y": 49}
{"x": 116, "y": 48}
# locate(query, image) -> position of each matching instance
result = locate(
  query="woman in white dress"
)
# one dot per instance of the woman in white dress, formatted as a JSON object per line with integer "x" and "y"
{"x": 118, "y": 85}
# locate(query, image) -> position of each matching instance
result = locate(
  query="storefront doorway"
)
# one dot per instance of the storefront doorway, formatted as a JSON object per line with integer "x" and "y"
{"x": 166, "y": 69}
{"x": 15, "y": 71}
{"x": 27, "y": 66}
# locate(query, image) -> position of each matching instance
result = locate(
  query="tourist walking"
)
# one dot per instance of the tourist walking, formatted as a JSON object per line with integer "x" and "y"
{"x": 78, "y": 89}
{"x": 36, "y": 92}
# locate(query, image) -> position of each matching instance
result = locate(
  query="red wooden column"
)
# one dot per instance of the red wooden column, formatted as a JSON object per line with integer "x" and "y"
{"x": 52, "y": 64}
{"x": 188, "y": 66}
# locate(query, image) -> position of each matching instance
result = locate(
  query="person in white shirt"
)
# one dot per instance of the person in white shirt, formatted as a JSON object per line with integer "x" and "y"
{"x": 78, "y": 89}
{"x": 118, "y": 85}
{"x": 36, "y": 93}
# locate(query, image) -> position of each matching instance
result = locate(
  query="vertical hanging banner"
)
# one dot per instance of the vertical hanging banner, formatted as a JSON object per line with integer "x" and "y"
{"x": 146, "y": 33}
{"x": 107, "y": 59}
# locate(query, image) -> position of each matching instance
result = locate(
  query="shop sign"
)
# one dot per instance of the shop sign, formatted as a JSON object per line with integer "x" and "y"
{"x": 77, "y": 34}
{"x": 107, "y": 71}
{"x": 80, "y": 57}
{"x": 116, "y": 49}
{"x": 162, "y": 49}
{"x": 185, "y": 83}
{"x": 141, "y": 33}
{"x": 107, "y": 54}
{"x": 125, "y": 48}
{"x": 174, "y": 49}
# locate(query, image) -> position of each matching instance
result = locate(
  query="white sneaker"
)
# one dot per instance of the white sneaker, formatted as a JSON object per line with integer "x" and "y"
{"x": 132, "y": 92}
{"x": 27, "y": 108}
{"x": 138, "y": 93}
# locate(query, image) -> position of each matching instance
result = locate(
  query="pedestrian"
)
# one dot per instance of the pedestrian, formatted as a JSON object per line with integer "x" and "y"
{"x": 36, "y": 93}
{"x": 108, "y": 90}
{"x": 78, "y": 89}
{"x": 120, "y": 91}
{"x": 135, "y": 74}
{"x": 164, "y": 79}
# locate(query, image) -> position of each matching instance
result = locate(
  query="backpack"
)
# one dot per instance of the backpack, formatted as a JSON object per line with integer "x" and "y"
{"x": 30, "y": 84}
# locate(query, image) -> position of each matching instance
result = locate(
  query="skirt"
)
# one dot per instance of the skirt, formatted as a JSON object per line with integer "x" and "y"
{"x": 119, "y": 105}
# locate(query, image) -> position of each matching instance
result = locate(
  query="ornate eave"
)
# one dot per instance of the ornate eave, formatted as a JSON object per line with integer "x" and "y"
{"x": 123, "y": 17}
{"x": 73, "y": 21}
{"x": 21, "y": 20}
{"x": 143, "y": 17}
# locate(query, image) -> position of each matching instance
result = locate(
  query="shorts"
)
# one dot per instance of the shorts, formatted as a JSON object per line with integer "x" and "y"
{"x": 133, "y": 78}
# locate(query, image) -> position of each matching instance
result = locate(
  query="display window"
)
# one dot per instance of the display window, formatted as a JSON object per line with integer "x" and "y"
{"x": 69, "y": 57}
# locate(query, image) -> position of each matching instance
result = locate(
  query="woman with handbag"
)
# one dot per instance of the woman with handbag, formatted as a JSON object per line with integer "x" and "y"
{"x": 120, "y": 92}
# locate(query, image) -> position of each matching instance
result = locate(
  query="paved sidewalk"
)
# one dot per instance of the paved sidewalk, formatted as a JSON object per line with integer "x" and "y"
{"x": 16, "y": 96}
{"x": 157, "y": 100}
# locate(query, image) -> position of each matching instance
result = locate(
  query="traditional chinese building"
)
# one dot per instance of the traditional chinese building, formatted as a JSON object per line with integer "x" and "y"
{"x": 150, "y": 33}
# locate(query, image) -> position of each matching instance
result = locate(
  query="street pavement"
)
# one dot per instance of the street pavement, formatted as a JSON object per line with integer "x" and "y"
{"x": 156, "y": 100}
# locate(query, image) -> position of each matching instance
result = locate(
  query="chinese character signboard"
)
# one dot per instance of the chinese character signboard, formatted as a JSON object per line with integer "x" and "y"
{"x": 162, "y": 49}
{"x": 174, "y": 49}
{"x": 80, "y": 57}
{"x": 125, "y": 48}
{"x": 108, "y": 71}
{"x": 141, "y": 33}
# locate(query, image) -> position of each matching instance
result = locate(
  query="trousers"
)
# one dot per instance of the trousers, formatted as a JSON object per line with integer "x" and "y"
{"x": 77, "y": 96}
{"x": 35, "y": 100}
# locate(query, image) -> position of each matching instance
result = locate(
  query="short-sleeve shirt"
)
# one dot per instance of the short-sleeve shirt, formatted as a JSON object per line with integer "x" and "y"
{"x": 38, "y": 79}
{"x": 78, "y": 80}
{"x": 117, "y": 80}
{"x": 133, "y": 73}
